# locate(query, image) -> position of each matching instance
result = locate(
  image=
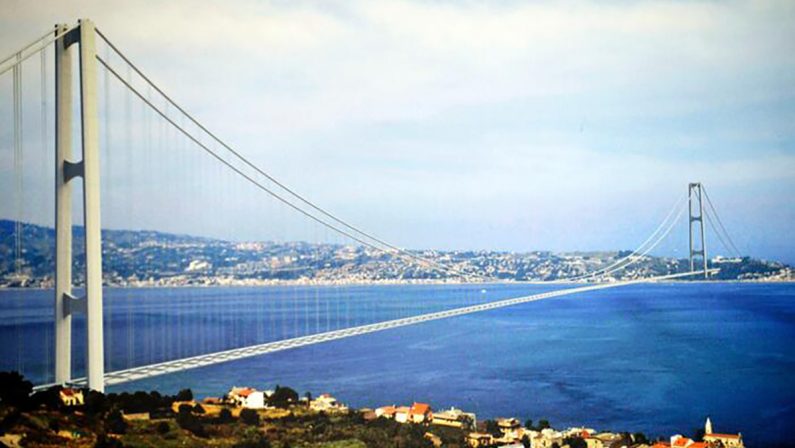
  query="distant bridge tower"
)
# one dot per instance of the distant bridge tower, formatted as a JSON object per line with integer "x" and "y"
{"x": 66, "y": 170}
{"x": 694, "y": 192}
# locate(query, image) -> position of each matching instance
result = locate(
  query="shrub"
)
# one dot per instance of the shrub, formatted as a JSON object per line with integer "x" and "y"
{"x": 163, "y": 428}
{"x": 225, "y": 416}
{"x": 115, "y": 423}
{"x": 95, "y": 402}
{"x": 50, "y": 398}
{"x": 184, "y": 395}
{"x": 104, "y": 441}
{"x": 249, "y": 417}
{"x": 282, "y": 397}
{"x": 15, "y": 389}
{"x": 191, "y": 423}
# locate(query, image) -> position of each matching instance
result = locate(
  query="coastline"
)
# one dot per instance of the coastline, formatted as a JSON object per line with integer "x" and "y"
{"x": 419, "y": 282}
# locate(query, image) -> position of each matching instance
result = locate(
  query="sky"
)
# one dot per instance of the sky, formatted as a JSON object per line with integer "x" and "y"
{"x": 503, "y": 125}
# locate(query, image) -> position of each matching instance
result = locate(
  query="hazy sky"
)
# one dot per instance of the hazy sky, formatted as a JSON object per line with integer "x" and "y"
{"x": 505, "y": 125}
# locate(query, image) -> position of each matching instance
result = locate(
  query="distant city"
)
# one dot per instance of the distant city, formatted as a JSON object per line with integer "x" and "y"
{"x": 149, "y": 258}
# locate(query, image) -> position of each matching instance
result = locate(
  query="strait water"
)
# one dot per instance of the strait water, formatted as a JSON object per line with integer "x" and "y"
{"x": 656, "y": 358}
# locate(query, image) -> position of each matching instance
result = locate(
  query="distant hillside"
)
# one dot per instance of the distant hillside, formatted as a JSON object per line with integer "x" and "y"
{"x": 156, "y": 258}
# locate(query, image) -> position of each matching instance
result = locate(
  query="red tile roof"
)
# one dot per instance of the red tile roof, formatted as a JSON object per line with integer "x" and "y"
{"x": 388, "y": 410}
{"x": 420, "y": 408}
{"x": 68, "y": 392}
{"x": 243, "y": 392}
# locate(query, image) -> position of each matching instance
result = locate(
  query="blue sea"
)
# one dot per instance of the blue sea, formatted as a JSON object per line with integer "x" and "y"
{"x": 656, "y": 358}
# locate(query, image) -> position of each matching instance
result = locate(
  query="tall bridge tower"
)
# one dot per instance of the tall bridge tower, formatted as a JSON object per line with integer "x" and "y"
{"x": 66, "y": 170}
{"x": 695, "y": 193}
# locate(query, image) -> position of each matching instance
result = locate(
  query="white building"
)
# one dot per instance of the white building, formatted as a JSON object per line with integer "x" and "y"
{"x": 71, "y": 397}
{"x": 247, "y": 397}
{"x": 326, "y": 402}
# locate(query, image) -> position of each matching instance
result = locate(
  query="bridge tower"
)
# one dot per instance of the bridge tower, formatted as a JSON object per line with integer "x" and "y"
{"x": 66, "y": 170}
{"x": 694, "y": 192}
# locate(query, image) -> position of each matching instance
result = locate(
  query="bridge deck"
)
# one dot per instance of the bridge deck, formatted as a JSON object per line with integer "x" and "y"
{"x": 148, "y": 371}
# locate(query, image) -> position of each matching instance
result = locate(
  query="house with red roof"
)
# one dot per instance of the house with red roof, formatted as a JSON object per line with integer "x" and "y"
{"x": 420, "y": 413}
{"x": 402, "y": 414}
{"x": 386, "y": 412}
{"x": 71, "y": 397}
{"x": 247, "y": 397}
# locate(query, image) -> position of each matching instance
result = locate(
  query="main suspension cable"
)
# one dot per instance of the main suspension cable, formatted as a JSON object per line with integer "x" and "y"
{"x": 635, "y": 252}
{"x": 278, "y": 183}
{"x": 720, "y": 223}
{"x": 270, "y": 191}
{"x": 41, "y": 43}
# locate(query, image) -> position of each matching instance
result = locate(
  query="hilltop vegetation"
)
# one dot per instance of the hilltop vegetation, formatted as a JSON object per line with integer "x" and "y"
{"x": 148, "y": 419}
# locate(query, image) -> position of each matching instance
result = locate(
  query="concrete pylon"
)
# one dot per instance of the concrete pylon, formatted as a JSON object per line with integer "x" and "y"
{"x": 66, "y": 171}
{"x": 695, "y": 193}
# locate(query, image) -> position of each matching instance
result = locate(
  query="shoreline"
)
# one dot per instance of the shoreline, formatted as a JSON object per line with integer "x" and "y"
{"x": 329, "y": 284}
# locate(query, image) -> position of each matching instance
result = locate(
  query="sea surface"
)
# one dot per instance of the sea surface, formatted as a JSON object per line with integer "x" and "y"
{"x": 656, "y": 358}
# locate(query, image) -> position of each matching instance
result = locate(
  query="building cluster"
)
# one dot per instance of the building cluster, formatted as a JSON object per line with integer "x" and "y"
{"x": 512, "y": 434}
{"x": 250, "y": 398}
{"x": 509, "y": 432}
{"x": 421, "y": 413}
{"x": 710, "y": 439}
{"x": 502, "y": 432}
{"x": 416, "y": 413}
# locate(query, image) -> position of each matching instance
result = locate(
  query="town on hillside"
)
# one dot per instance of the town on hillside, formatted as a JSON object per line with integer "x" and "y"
{"x": 147, "y": 258}
{"x": 278, "y": 417}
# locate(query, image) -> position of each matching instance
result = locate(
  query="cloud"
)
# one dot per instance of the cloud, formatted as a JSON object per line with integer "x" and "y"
{"x": 454, "y": 111}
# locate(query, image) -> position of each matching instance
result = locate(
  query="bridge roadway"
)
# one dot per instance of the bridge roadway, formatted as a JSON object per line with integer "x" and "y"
{"x": 148, "y": 371}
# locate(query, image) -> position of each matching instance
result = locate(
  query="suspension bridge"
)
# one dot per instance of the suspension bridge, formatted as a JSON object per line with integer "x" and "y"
{"x": 156, "y": 159}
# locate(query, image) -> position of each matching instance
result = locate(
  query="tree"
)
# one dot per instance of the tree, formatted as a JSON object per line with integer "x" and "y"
{"x": 189, "y": 422}
{"x": 225, "y": 416}
{"x": 493, "y": 428}
{"x": 529, "y": 424}
{"x": 639, "y": 437}
{"x": 575, "y": 442}
{"x": 15, "y": 389}
{"x": 184, "y": 395}
{"x": 282, "y": 397}
{"x": 95, "y": 402}
{"x": 163, "y": 428}
{"x": 50, "y": 398}
{"x": 543, "y": 424}
{"x": 249, "y": 417}
{"x": 198, "y": 409}
{"x": 104, "y": 441}
{"x": 698, "y": 434}
{"x": 115, "y": 423}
